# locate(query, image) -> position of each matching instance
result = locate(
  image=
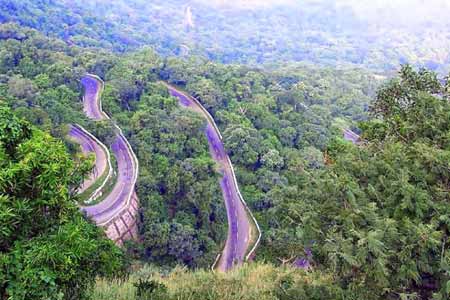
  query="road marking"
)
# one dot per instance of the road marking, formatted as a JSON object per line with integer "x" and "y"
{"x": 99, "y": 114}
{"x": 226, "y": 164}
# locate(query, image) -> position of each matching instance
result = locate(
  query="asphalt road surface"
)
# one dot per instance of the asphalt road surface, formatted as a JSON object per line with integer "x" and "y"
{"x": 90, "y": 146}
{"x": 126, "y": 166}
{"x": 239, "y": 229}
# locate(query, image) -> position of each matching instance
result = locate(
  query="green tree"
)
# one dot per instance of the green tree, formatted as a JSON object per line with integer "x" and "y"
{"x": 377, "y": 217}
{"x": 242, "y": 143}
{"x": 272, "y": 159}
{"x": 48, "y": 250}
{"x": 206, "y": 91}
{"x": 23, "y": 89}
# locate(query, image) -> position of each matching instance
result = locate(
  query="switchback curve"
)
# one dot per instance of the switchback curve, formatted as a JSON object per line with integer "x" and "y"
{"x": 117, "y": 213}
{"x": 243, "y": 229}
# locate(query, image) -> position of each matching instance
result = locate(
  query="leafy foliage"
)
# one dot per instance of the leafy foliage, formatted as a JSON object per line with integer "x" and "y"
{"x": 377, "y": 216}
{"x": 378, "y": 35}
{"x": 183, "y": 213}
{"x": 374, "y": 216}
{"x": 149, "y": 290}
{"x": 47, "y": 249}
{"x": 266, "y": 117}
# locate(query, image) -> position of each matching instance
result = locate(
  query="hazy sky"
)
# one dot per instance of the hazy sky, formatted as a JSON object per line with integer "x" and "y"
{"x": 360, "y": 4}
{"x": 246, "y": 3}
{"x": 401, "y": 12}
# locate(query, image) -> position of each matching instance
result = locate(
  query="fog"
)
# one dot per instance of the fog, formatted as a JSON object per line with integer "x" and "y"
{"x": 414, "y": 11}
{"x": 387, "y": 12}
{"x": 374, "y": 33}
{"x": 247, "y": 4}
{"x": 357, "y": 4}
{"x": 410, "y": 12}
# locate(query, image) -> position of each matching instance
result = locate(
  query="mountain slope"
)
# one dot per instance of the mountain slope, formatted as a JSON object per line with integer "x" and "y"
{"x": 378, "y": 35}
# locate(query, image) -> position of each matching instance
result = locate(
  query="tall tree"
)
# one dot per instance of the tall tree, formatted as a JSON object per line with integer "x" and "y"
{"x": 48, "y": 250}
{"x": 377, "y": 217}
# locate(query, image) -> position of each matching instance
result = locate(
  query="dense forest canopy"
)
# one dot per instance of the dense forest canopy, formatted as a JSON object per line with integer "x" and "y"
{"x": 378, "y": 35}
{"x": 376, "y": 216}
{"x": 277, "y": 128}
{"x": 281, "y": 112}
{"x": 47, "y": 249}
{"x": 282, "y": 80}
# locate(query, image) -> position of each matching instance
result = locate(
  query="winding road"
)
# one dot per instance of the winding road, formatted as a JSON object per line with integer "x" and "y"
{"x": 119, "y": 206}
{"x": 351, "y": 136}
{"x": 123, "y": 191}
{"x": 90, "y": 145}
{"x": 243, "y": 230}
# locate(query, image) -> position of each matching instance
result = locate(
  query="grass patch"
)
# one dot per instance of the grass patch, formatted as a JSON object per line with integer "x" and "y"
{"x": 107, "y": 189}
{"x": 249, "y": 282}
{"x": 84, "y": 196}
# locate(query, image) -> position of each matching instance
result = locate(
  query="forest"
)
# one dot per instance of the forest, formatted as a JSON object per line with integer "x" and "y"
{"x": 268, "y": 118}
{"x": 379, "y": 35}
{"x": 340, "y": 220}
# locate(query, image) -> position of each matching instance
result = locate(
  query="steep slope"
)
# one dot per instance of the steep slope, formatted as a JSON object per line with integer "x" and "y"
{"x": 118, "y": 211}
{"x": 102, "y": 169}
{"x": 378, "y": 34}
{"x": 243, "y": 230}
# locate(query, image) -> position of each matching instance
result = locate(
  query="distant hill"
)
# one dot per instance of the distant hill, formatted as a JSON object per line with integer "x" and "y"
{"x": 378, "y": 35}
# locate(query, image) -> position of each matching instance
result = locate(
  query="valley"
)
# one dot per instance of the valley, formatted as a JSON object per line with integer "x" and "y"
{"x": 243, "y": 229}
{"x": 180, "y": 150}
{"x": 118, "y": 211}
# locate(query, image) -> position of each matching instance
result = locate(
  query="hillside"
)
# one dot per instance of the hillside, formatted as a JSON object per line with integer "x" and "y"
{"x": 224, "y": 150}
{"x": 378, "y": 35}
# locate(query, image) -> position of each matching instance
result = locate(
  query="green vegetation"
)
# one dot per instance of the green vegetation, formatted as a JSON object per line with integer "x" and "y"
{"x": 183, "y": 219}
{"x": 265, "y": 117}
{"x": 377, "y": 215}
{"x": 374, "y": 216}
{"x": 183, "y": 215}
{"x": 48, "y": 250}
{"x": 255, "y": 281}
{"x": 379, "y": 35}
{"x": 274, "y": 124}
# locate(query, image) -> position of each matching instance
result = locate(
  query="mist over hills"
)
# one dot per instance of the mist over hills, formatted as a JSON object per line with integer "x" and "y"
{"x": 378, "y": 35}
{"x": 260, "y": 140}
